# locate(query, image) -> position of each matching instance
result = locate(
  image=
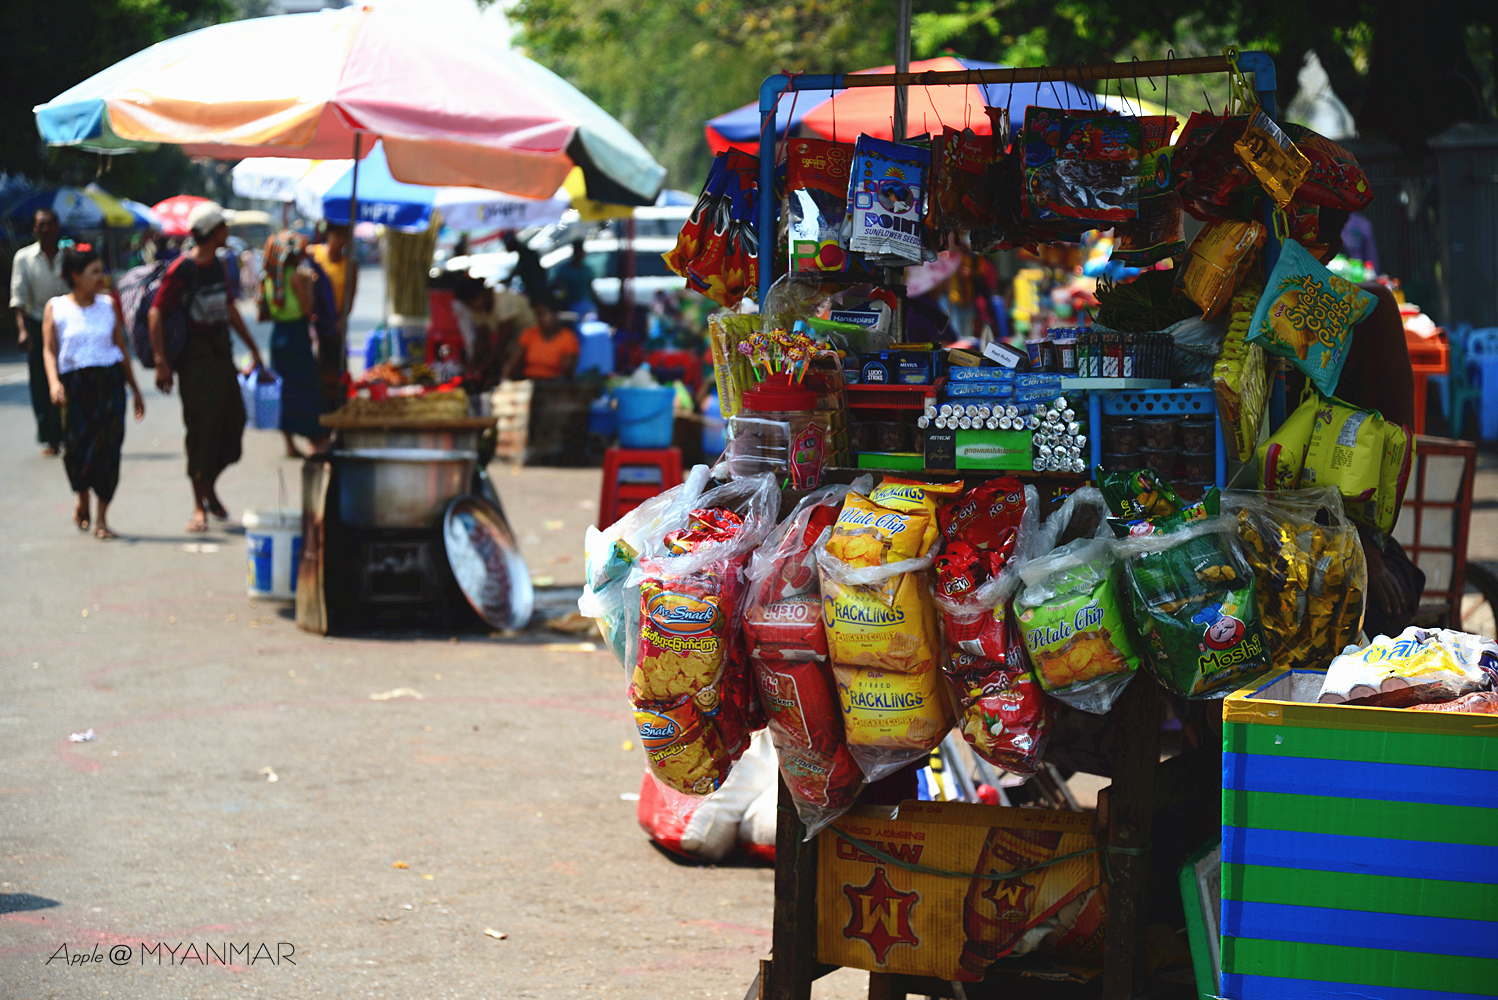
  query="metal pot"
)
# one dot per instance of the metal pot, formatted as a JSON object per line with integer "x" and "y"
{"x": 361, "y": 439}
{"x": 399, "y": 487}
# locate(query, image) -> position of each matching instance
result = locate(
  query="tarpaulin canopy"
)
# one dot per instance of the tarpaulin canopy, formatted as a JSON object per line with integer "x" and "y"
{"x": 304, "y": 85}
{"x": 870, "y": 110}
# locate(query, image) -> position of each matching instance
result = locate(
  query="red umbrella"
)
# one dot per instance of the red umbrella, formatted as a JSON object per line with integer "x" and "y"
{"x": 174, "y": 212}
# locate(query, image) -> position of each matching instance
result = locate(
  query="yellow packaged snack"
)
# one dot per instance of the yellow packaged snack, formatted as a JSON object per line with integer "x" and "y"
{"x": 866, "y": 534}
{"x": 889, "y": 625}
{"x": 911, "y": 496}
{"x": 1240, "y": 380}
{"x": 1399, "y": 458}
{"x": 883, "y": 708}
{"x": 1282, "y": 457}
{"x": 1272, "y": 158}
{"x": 1346, "y": 450}
{"x": 1221, "y": 256}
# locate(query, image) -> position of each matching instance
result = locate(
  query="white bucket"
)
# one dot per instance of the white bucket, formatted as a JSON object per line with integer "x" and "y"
{"x": 273, "y": 542}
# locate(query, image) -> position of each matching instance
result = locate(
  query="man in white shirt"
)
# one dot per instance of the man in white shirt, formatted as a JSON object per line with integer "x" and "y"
{"x": 35, "y": 277}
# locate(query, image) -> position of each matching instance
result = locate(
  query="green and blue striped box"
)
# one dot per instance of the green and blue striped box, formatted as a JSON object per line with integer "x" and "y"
{"x": 1359, "y": 849}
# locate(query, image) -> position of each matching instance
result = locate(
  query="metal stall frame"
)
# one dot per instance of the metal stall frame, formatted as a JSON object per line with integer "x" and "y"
{"x": 793, "y": 967}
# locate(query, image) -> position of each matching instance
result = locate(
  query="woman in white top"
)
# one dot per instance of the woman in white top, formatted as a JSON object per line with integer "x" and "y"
{"x": 87, "y": 368}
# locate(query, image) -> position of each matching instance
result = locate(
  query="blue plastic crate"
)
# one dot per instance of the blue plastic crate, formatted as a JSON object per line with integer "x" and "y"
{"x": 1153, "y": 403}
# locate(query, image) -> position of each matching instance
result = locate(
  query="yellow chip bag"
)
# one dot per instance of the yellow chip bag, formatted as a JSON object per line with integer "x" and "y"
{"x": 1399, "y": 458}
{"x": 889, "y": 625}
{"x": 866, "y": 534}
{"x": 1346, "y": 450}
{"x": 910, "y": 496}
{"x": 890, "y": 709}
{"x": 1272, "y": 157}
{"x": 1282, "y": 457}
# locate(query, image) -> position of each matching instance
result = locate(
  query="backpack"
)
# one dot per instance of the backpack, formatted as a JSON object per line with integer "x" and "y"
{"x": 136, "y": 290}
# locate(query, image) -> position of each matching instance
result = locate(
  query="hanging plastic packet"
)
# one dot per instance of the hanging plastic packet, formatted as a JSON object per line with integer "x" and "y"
{"x": 962, "y": 192}
{"x": 1072, "y": 617}
{"x": 1194, "y": 607}
{"x": 1221, "y": 257}
{"x": 1240, "y": 381}
{"x": 1335, "y": 179}
{"x": 886, "y": 202}
{"x": 1157, "y": 231}
{"x": 817, "y": 178}
{"x": 1272, "y": 157}
{"x": 1080, "y": 166}
{"x": 788, "y": 651}
{"x": 1003, "y": 712}
{"x": 694, "y": 231}
{"x": 1307, "y": 314}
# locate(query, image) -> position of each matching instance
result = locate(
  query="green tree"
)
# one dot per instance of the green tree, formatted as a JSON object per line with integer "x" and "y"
{"x": 54, "y": 44}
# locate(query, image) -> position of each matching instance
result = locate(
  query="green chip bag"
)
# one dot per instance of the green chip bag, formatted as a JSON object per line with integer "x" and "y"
{"x": 1307, "y": 314}
{"x": 1072, "y": 620}
{"x": 1138, "y": 493}
{"x": 1191, "y": 597}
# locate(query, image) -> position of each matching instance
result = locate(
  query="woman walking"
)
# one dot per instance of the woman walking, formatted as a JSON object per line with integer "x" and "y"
{"x": 85, "y": 357}
{"x": 287, "y": 293}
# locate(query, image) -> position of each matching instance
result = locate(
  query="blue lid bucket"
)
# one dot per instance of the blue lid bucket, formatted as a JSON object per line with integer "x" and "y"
{"x": 646, "y": 416}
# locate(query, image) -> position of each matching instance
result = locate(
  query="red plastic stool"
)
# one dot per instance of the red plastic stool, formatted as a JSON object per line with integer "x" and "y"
{"x": 618, "y": 499}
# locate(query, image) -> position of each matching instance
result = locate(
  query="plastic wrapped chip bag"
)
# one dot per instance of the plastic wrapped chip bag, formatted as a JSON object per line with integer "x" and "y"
{"x": 1310, "y": 574}
{"x": 694, "y": 700}
{"x": 1071, "y": 615}
{"x": 789, "y": 655}
{"x": 1307, "y": 314}
{"x": 1003, "y": 713}
{"x": 1193, "y": 603}
{"x": 1417, "y": 666}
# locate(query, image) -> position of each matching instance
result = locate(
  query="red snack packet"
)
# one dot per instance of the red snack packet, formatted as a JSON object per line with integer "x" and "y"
{"x": 715, "y": 525}
{"x": 981, "y": 515}
{"x": 824, "y": 781}
{"x": 1005, "y": 716}
{"x": 801, "y": 704}
{"x": 788, "y": 629}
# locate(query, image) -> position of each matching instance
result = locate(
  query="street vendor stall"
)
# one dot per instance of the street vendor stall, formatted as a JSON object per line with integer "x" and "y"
{"x": 926, "y": 564}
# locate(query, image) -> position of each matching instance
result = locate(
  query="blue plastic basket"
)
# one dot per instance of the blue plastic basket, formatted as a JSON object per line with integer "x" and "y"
{"x": 1153, "y": 403}
{"x": 262, "y": 400}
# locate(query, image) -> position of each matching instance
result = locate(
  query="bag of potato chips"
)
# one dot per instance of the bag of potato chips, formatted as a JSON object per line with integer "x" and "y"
{"x": 788, "y": 653}
{"x": 1307, "y": 314}
{"x": 1072, "y": 617}
{"x": 882, "y": 631}
{"x": 689, "y": 683}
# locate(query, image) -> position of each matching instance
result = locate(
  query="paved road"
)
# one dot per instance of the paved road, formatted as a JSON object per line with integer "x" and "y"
{"x": 499, "y": 788}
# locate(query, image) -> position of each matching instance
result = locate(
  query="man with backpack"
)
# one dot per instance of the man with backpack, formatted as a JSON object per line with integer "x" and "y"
{"x": 195, "y": 286}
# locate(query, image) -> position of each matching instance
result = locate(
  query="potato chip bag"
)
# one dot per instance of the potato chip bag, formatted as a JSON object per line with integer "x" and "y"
{"x": 683, "y": 637}
{"x": 1283, "y": 456}
{"x": 893, "y": 709}
{"x": 1240, "y": 380}
{"x": 1272, "y": 158}
{"x": 684, "y": 748}
{"x": 1221, "y": 256}
{"x": 1003, "y": 712}
{"x": 1071, "y": 618}
{"x": 1346, "y": 450}
{"x": 1394, "y": 476}
{"x": 1307, "y": 314}
{"x": 889, "y": 625}
{"x": 825, "y": 781}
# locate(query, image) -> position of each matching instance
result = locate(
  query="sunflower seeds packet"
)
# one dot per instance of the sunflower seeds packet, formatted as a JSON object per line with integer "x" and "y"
{"x": 886, "y": 202}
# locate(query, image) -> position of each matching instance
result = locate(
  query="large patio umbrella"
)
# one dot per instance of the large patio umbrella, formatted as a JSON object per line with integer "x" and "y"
{"x": 76, "y": 208}
{"x": 322, "y": 190}
{"x": 326, "y": 84}
{"x": 173, "y": 213}
{"x": 869, "y": 110}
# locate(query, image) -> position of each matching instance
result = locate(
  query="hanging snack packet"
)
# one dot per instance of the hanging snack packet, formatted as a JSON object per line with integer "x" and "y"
{"x": 1309, "y": 577}
{"x": 1194, "y": 606}
{"x": 1240, "y": 381}
{"x": 817, "y": 179}
{"x": 1307, "y": 314}
{"x": 1212, "y": 175}
{"x": 1335, "y": 179}
{"x": 694, "y": 231}
{"x": 1282, "y": 458}
{"x": 1138, "y": 494}
{"x": 1221, "y": 256}
{"x": 1080, "y": 166}
{"x": 1002, "y": 711}
{"x": 1071, "y": 616}
{"x": 885, "y": 202}
{"x": 1272, "y": 157}
{"x": 1366, "y": 457}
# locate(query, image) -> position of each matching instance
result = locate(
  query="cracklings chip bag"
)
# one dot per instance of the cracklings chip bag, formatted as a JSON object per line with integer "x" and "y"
{"x": 1070, "y": 615}
{"x": 1194, "y": 606}
{"x": 1307, "y": 314}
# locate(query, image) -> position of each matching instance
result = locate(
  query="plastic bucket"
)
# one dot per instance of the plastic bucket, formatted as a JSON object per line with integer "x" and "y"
{"x": 273, "y": 542}
{"x": 646, "y": 416}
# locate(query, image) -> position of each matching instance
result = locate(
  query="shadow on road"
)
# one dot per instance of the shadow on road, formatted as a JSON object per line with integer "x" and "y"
{"x": 19, "y": 902}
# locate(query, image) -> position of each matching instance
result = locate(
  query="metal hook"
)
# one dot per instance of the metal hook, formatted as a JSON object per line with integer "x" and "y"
{"x": 926, "y": 85}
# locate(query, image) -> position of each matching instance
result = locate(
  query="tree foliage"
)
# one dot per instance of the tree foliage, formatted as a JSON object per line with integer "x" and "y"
{"x": 1406, "y": 71}
{"x": 54, "y": 44}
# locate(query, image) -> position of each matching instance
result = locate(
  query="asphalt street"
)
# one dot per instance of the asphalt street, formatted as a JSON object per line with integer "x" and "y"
{"x": 252, "y": 784}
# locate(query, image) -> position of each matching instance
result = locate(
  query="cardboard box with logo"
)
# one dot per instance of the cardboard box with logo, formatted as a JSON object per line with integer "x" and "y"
{"x": 882, "y": 916}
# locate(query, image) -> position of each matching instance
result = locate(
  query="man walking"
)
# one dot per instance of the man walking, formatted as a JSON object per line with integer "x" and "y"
{"x": 212, "y": 410}
{"x": 35, "y": 277}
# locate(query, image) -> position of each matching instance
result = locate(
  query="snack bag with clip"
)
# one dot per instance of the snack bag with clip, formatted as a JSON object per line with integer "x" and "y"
{"x": 1366, "y": 457}
{"x": 817, "y": 177}
{"x": 886, "y": 202}
{"x": 1193, "y": 603}
{"x": 1002, "y": 711}
{"x": 1080, "y": 166}
{"x": 1212, "y": 176}
{"x": 1307, "y": 314}
{"x": 1072, "y": 616}
{"x": 882, "y": 628}
{"x": 689, "y": 683}
{"x": 1221, "y": 255}
{"x": 789, "y": 658}
{"x": 1272, "y": 157}
{"x": 1310, "y": 574}
{"x": 982, "y": 526}
{"x": 1335, "y": 179}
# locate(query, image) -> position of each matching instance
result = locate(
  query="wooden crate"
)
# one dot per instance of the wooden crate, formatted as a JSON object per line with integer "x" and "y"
{"x": 510, "y": 402}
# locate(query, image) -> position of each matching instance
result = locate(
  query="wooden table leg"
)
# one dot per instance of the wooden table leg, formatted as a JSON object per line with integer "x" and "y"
{"x": 794, "y": 937}
{"x": 1136, "y": 751}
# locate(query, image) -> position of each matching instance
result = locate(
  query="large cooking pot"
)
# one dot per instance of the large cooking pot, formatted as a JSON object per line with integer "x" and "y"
{"x": 399, "y": 487}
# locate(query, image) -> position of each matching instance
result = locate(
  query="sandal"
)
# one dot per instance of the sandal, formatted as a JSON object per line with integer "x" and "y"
{"x": 196, "y": 525}
{"x": 80, "y": 522}
{"x": 103, "y": 534}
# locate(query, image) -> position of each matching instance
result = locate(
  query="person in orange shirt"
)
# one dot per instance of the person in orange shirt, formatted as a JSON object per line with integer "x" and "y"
{"x": 546, "y": 350}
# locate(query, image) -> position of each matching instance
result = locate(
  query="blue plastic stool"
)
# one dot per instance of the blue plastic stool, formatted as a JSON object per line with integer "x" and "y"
{"x": 1482, "y": 372}
{"x": 1456, "y": 338}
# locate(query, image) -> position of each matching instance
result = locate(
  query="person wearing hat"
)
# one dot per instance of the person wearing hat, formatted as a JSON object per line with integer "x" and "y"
{"x": 212, "y": 411}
